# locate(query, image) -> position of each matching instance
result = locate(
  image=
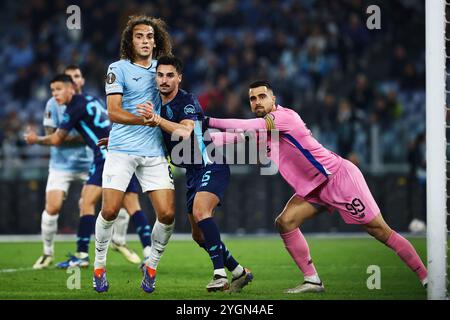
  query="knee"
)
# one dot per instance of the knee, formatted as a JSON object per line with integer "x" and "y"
{"x": 131, "y": 203}
{"x": 284, "y": 223}
{"x": 201, "y": 213}
{"x": 52, "y": 209}
{"x": 378, "y": 233}
{"x": 80, "y": 204}
{"x": 166, "y": 216}
{"x": 110, "y": 213}
{"x": 87, "y": 206}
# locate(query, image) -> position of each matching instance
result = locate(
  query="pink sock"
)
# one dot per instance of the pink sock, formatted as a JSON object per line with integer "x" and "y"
{"x": 296, "y": 245}
{"x": 407, "y": 253}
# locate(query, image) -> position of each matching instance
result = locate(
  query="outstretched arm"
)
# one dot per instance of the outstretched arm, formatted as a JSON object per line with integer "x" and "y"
{"x": 54, "y": 139}
{"x": 75, "y": 140}
{"x": 182, "y": 129}
{"x": 221, "y": 138}
{"x": 242, "y": 124}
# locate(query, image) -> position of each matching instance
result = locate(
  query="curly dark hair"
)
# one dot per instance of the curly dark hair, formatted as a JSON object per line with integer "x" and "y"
{"x": 162, "y": 37}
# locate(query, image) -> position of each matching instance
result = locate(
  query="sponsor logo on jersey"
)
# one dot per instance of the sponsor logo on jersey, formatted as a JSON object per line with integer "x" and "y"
{"x": 189, "y": 109}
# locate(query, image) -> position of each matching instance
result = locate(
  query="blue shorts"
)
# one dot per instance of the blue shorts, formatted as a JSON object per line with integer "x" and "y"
{"x": 213, "y": 178}
{"x": 95, "y": 177}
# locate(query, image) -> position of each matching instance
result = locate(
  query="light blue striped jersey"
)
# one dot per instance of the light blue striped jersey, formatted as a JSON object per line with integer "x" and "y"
{"x": 65, "y": 158}
{"x": 137, "y": 85}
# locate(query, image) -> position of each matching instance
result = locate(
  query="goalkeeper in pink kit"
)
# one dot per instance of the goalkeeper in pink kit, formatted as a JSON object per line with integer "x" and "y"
{"x": 319, "y": 178}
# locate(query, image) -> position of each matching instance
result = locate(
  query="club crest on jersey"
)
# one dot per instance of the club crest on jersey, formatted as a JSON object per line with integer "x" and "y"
{"x": 169, "y": 112}
{"x": 110, "y": 78}
{"x": 189, "y": 109}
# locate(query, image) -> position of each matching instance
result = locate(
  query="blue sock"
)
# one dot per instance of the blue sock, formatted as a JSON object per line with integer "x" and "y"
{"x": 140, "y": 221}
{"x": 228, "y": 260}
{"x": 212, "y": 242}
{"x": 85, "y": 229}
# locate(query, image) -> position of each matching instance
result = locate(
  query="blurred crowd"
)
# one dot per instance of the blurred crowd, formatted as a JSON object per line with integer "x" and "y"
{"x": 360, "y": 91}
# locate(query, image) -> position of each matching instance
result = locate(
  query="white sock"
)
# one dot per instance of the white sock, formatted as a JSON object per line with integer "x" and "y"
{"x": 220, "y": 272}
{"x": 160, "y": 237}
{"x": 103, "y": 233}
{"x": 120, "y": 227}
{"x": 424, "y": 281}
{"x": 237, "y": 271}
{"x": 49, "y": 226}
{"x": 147, "y": 251}
{"x": 314, "y": 278}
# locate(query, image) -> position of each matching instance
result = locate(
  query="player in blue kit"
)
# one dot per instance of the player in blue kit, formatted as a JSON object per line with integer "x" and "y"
{"x": 88, "y": 116}
{"x": 133, "y": 147}
{"x": 181, "y": 117}
{"x": 68, "y": 163}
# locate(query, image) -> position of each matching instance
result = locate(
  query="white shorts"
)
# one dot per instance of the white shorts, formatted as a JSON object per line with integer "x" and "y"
{"x": 61, "y": 180}
{"x": 153, "y": 173}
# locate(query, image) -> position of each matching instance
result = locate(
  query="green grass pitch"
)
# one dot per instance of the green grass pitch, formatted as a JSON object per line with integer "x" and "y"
{"x": 185, "y": 269}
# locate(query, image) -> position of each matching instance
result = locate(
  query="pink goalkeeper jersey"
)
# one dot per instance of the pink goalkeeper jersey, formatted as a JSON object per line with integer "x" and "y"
{"x": 302, "y": 161}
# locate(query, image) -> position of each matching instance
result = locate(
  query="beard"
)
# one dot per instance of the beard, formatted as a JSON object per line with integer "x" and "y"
{"x": 260, "y": 112}
{"x": 165, "y": 93}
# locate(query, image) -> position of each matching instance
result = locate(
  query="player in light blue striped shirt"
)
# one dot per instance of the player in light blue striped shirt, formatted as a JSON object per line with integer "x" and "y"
{"x": 133, "y": 147}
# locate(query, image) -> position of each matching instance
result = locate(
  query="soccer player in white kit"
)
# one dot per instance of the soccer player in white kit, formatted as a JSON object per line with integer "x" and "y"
{"x": 133, "y": 147}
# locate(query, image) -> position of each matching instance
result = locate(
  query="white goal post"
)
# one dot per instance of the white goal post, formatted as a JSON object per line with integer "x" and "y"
{"x": 436, "y": 78}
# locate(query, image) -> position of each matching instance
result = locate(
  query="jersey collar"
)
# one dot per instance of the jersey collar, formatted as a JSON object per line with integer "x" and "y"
{"x": 140, "y": 66}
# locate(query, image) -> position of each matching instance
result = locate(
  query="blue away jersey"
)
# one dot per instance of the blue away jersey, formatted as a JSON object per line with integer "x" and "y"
{"x": 186, "y": 106}
{"x": 137, "y": 85}
{"x": 65, "y": 158}
{"x": 88, "y": 116}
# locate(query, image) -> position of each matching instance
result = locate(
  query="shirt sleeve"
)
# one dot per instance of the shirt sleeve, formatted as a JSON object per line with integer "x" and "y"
{"x": 70, "y": 118}
{"x": 115, "y": 80}
{"x": 191, "y": 110}
{"x": 50, "y": 115}
{"x": 238, "y": 124}
{"x": 280, "y": 121}
{"x": 221, "y": 138}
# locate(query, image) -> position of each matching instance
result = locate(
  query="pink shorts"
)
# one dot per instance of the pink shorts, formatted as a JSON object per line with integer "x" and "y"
{"x": 347, "y": 192}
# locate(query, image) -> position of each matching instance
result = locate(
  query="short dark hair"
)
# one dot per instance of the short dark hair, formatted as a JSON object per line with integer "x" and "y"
{"x": 72, "y": 67}
{"x": 62, "y": 78}
{"x": 260, "y": 83}
{"x": 171, "y": 61}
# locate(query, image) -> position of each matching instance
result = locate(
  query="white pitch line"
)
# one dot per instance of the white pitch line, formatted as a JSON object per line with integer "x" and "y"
{"x": 187, "y": 236}
{"x": 15, "y": 270}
